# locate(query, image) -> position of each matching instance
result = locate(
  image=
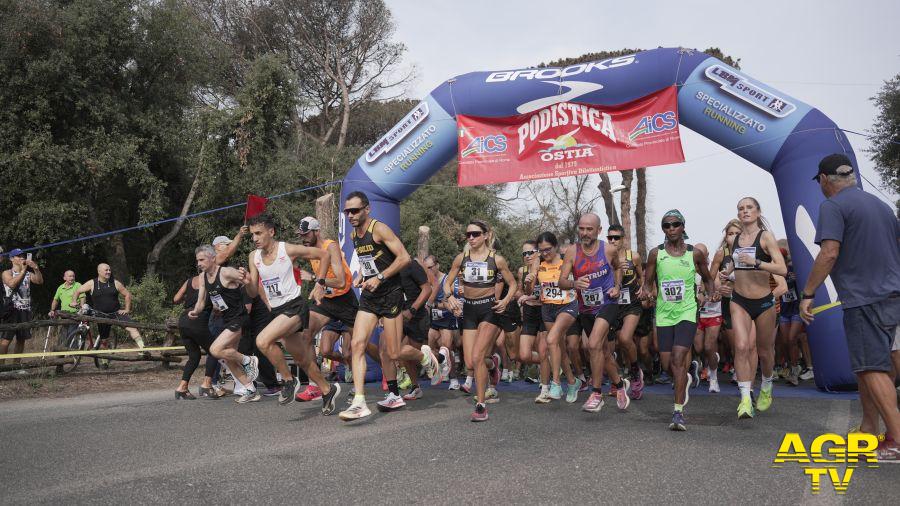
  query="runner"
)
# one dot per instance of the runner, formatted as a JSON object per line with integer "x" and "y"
{"x": 670, "y": 280}
{"x": 416, "y": 283}
{"x": 756, "y": 256}
{"x": 630, "y": 309}
{"x": 706, "y": 341}
{"x": 381, "y": 258}
{"x": 598, "y": 280}
{"x": 272, "y": 268}
{"x": 790, "y": 323}
{"x": 222, "y": 286}
{"x": 482, "y": 268}
{"x": 559, "y": 311}
{"x": 194, "y": 336}
{"x": 722, "y": 262}
{"x": 443, "y": 322}
{"x": 338, "y": 303}
{"x": 532, "y": 340}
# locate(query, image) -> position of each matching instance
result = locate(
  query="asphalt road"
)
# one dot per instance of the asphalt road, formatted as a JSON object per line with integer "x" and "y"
{"x": 146, "y": 448}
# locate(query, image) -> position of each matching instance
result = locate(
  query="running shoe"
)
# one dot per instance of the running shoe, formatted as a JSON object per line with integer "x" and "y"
{"x": 289, "y": 391}
{"x": 445, "y": 365}
{"x": 637, "y": 386}
{"x": 694, "y": 373}
{"x": 687, "y": 390}
{"x": 329, "y": 400}
{"x": 594, "y": 403}
{"x": 312, "y": 392}
{"x": 613, "y": 391}
{"x": 248, "y": 396}
{"x": 391, "y": 402}
{"x": 745, "y": 408}
{"x": 466, "y": 388}
{"x": 355, "y": 412}
{"x": 432, "y": 367}
{"x": 888, "y": 452}
{"x": 491, "y": 396}
{"x": 543, "y": 397}
{"x": 726, "y": 368}
{"x": 454, "y": 384}
{"x": 622, "y": 400}
{"x": 505, "y": 376}
{"x": 572, "y": 391}
{"x": 495, "y": 372}
{"x": 403, "y": 379}
{"x": 793, "y": 378}
{"x": 807, "y": 374}
{"x": 251, "y": 369}
{"x": 765, "y": 399}
{"x": 585, "y": 385}
{"x": 663, "y": 378}
{"x": 480, "y": 414}
{"x": 413, "y": 394}
{"x": 555, "y": 392}
{"x": 272, "y": 391}
{"x": 678, "y": 422}
{"x": 714, "y": 386}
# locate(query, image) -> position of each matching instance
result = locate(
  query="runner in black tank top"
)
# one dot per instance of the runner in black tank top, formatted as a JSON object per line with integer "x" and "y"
{"x": 381, "y": 257}
{"x": 629, "y": 305}
{"x": 221, "y": 289}
{"x": 195, "y": 336}
{"x": 756, "y": 258}
{"x": 723, "y": 262}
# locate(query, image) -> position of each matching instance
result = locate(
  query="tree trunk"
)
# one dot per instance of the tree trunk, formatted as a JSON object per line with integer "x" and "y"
{"x": 640, "y": 213}
{"x": 423, "y": 243}
{"x": 345, "y": 115}
{"x": 625, "y": 205}
{"x": 153, "y": 256}
{"x": 325, "y": 215}
{"x": 605, "y": 186}
{"x": 115, "y": 248}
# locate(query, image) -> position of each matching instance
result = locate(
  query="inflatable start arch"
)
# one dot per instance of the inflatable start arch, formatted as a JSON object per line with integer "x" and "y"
{"x": 776, "y": 132}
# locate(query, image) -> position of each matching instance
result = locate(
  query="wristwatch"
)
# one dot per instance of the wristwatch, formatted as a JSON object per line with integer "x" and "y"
{"x": 805, "y": 296}
{"x": 320, "y": 281}
{"x": 380, "y": 276}
{"x": 757, "y": 263}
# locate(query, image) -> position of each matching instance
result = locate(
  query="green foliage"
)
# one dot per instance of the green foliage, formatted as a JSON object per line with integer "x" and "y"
{"x": 152, "y": 300}
{"x": 885, "y": 151}
{"x": 602, "y": 55}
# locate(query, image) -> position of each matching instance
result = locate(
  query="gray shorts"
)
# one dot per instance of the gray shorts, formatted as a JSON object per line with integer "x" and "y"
{"x": 871, "y": 331}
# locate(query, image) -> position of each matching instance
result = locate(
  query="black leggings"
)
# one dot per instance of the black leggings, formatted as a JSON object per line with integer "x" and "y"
{"x": 194, "y": 337}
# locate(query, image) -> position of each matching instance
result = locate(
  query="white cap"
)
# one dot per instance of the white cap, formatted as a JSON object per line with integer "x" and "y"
{"x": 307, "y": 224}
{"x": 221, "y": 239}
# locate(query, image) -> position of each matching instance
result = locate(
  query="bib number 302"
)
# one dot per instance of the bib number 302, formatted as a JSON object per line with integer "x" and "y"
{"x": 673, "y": 291}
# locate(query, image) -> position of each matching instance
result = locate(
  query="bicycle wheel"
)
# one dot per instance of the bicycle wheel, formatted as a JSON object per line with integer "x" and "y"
{"x": 76, "y": 341}
{"x": 99, "y": 361}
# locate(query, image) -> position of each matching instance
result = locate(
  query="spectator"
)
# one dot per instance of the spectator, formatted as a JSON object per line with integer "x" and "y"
{"x": 104, "y": 291}
{"x": 62, "y": 301}
{"x": 225, "y": 247}
{"x": 17, "y": 286}
{"x": 852, "y": 225}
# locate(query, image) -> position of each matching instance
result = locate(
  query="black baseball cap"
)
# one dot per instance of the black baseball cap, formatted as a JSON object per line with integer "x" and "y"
{"x": 829, "y": 165}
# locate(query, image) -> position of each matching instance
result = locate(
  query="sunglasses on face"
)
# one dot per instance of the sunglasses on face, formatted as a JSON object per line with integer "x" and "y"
{"x": 544, "y": 251}
{"x": 476, "y": 233}
{"x": 430, "y": 266}
{"x": 350, "y": 211}
{"x": 674, "y": 224}
{"x": 528, "y": 253}
{"x": 613, "y": 237}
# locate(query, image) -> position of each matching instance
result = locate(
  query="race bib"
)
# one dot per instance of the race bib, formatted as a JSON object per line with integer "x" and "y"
{"x": 592, "y": 297}
{"x": 367, "y": 265}
{"x": 552, "y": 292}
{"x": 475, "y": 272}
{"x": 673, "y": 290}
{"x": 273, "y": 288}
{"x": 711, "y": 309}
{"x": 625, "y": 296}
{"x": 737, "y": 255}
{"x": 218, "y": 302}
{"x": 437, "y": 314}
{"x": 789, "y": 296}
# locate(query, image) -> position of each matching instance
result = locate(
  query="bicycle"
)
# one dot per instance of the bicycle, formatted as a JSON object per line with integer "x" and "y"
{"x": 82, "y": 339}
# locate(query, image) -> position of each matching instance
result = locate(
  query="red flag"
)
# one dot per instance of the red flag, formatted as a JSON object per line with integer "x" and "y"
{"x": 256, "y": 205}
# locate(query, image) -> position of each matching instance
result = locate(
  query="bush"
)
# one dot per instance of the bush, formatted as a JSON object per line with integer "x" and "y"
{"x": 151, "y": 303}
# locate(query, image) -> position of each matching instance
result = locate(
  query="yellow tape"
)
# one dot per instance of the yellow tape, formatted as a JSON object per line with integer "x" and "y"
{"x": 824, "y": 307}
{"x": 88, "y": 352}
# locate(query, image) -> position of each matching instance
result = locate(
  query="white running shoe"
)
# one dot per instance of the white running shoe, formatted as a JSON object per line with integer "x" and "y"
{"x": 355, "y": 412}
{"x": 491, "y": 396}
{"x": 714, "y": 386}
{"x": 431, "y": 365}
{"x": 454, "y": 384}
{"x": 391, "y": 402}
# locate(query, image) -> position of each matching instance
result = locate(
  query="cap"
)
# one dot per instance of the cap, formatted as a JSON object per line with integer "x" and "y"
{"x": 307, "y": 224}
{"x": 16, "y": 252}
{"x": 677, "y": 214}
{"x": 221, "y": 239}
{"x": 830, "y": 164}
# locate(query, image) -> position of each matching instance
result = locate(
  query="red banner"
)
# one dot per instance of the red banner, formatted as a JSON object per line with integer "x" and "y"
{"x": 570, "y": 139}
{"x": 256, "y": 205}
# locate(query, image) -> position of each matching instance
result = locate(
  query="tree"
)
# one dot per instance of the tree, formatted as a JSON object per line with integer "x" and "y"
{"x": 885, "y": 150}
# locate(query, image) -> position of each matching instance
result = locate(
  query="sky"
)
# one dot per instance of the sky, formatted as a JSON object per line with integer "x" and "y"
{"x": 833, "y": 55}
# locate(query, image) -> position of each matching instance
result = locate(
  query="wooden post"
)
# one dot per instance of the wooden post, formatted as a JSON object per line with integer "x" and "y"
{"x": 422, "y": 246}
{"x": 325, "y": 215}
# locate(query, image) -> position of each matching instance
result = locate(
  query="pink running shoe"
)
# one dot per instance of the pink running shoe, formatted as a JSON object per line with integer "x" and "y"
{"x": 594, "y": 403}
{"x": 495, "y": 372}
{"x": 637, "y": 386}
{"x": 622, "y": 400}
{"x": 311, "y": 393}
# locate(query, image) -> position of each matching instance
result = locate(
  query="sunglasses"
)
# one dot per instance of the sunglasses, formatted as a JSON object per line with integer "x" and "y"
{"x": 430, "y": 266}
{"x": 674, "y": 224}
{"x": 528, "y": 253}
{"x": 353, "y": 210}
{"x": 613, "y": 237}
{"x": 546, "y": 250}
{"x": 476, "y": 233}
